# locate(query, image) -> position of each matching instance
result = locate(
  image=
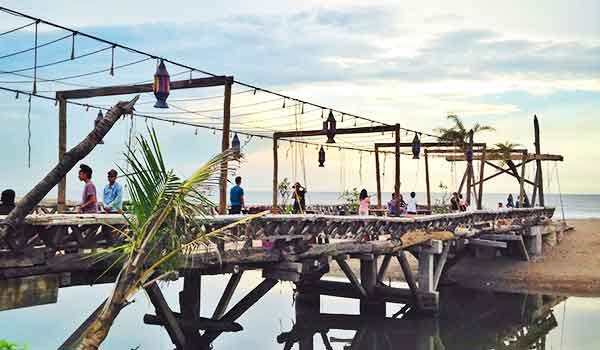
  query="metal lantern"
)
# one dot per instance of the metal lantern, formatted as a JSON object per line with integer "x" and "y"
{"x": 416, "y": 146}
{"x": 161, "y": 86}
{"x": 98, "y": 119}
{"x": 235, "y": 144}
{"x": 321, "y": 157}
{"x": 329, "y": 126}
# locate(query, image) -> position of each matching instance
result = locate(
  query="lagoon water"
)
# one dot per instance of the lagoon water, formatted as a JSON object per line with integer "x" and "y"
{"x": 468, "y": 320}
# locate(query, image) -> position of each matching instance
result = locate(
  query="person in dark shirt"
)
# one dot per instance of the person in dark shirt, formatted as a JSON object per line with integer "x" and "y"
{"x": 510, "y": 202}
{"x": 236, "y": 197}
{"x": 299, "y": 198}
{"x": 8, "y": 202}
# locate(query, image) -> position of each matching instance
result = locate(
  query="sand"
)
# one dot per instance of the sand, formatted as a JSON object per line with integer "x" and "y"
{"x": 572, "y": 267}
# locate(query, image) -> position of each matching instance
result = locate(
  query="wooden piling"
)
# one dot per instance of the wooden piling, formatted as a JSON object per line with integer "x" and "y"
{"x": 275, "y": 168}
{"x": 225, "y": 147}
{"x": 427, "y": 180}
{"x": 368, "y": 280}
{"x": 469, "y": 167}
{"x": 397, "y": 161}
{"x": 378, "y": 177}
{"x": 189, "y": 303}
{"x": 481, "y": 174}
{"x": 62, "y": 149}
{"x": 539, "y": 177}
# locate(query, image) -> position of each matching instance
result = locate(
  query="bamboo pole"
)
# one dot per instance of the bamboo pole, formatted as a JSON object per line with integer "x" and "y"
{"x": 427, "y": 180}
{"x": 481, "y": 174}
{"x": 540, "y": 178}
{"x": 275, "y": 168}
{"x": 397, "y": 161}
{"x": 62, "y": 148}
{"x": 469, "y": 169}
{"x": 225, "y": 147}
{"x": 378, "y": 177}
{"x": 522, "y": 181}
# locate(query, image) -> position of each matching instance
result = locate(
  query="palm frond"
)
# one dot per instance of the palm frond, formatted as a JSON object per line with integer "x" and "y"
{"x": 458, "y": 123}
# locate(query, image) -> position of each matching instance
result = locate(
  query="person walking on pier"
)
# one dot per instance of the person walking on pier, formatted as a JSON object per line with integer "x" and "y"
{"x": 393, "y": 206}
{"x": 454, "y": 202}
{"x": 236, "y": 197}
{"x": 8, "y": 202}
{"x": 510, "y": 202}
{"x": 411, "y": 208}
{"x": 299, "y": 198}
{"x": 113, "y": 194}
{"x": 364, "y": 202}
{"x": 89, "y": 202}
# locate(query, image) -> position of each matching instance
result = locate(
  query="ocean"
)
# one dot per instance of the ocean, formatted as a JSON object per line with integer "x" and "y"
{"x": 575, "y": 206}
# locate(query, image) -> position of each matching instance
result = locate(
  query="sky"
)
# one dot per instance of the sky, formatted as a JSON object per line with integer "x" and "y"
{"x": 411, "y": 62}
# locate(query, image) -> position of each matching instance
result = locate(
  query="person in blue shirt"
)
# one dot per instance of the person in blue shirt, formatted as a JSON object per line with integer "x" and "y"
{"x": 113, "y": 194}
{"x": 236, "y": 197}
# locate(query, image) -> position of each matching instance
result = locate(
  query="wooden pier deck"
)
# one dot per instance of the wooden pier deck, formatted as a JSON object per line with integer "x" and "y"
{"x": 296, "y": 248}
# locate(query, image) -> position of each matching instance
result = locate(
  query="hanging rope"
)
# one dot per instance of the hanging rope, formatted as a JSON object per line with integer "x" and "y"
{"x": 29, "y": 132}
{"x": 35, "y": 52}
{"x": 360, "y": 168}
{"x": 562, "y": 206}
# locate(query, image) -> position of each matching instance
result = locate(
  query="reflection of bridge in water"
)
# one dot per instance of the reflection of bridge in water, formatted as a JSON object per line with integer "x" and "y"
{"x": 297, "y": 248}
{"x": 468, "y": 319}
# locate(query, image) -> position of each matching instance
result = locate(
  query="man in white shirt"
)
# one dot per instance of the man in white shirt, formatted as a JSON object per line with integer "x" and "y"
{"x": 411, "y": 206}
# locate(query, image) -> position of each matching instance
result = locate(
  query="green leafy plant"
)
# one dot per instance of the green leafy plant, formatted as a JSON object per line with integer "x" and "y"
{"x": 6, "y": 345}
{"x": 350, "y": 198}
{"x": 285, "y": 193}
{"x": 440, "y": 206}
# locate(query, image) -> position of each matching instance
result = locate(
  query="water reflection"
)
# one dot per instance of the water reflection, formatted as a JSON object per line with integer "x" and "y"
{"x": 468, "y": 319}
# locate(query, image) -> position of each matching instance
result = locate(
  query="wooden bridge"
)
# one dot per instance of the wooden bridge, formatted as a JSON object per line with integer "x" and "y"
{"x": 297, "y": 248}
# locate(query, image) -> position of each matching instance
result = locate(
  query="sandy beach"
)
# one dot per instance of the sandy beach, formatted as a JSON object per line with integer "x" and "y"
{"x": 572, "y": 267}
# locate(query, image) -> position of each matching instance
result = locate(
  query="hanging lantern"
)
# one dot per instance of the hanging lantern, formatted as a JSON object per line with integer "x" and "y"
{"x": 235, "y": 145}
{"x": 329, "y": 126}
{"x": 161, "y": 86}
{"x": 416, "y": 146}
{"x": 98, "y": 119}
{"x": 321, "y": 157}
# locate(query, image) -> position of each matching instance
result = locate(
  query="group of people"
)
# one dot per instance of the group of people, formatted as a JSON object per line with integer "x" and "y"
{"x": 396, "y": 206}
{"x": 458, "y": 203}
{"x": 112, "y": 199}
{"x": 510, "y": 202}
{"x": 236, "y": 198}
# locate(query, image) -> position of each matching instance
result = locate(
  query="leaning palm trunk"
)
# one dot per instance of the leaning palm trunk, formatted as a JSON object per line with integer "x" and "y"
{"x": 17, "y": 216}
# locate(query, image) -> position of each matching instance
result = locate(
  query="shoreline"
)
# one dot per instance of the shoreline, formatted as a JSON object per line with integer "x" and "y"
{"x": 571, "y": 267}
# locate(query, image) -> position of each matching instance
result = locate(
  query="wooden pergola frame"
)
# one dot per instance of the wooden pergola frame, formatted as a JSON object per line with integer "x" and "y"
{"x": 345, "y": 131}
{"x": 64, "y": 96}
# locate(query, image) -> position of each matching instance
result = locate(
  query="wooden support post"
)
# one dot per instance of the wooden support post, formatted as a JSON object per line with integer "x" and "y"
{"x": 427, "y": 181}
{"x": 539, "y": 175}
{"x": 242, "y": 306}
{"x": 225, "y": 147}
{"x": 385, "y": 263}
{"x": 351, "y": 276}
{"x": 440, "y": 265}
{"x": 368, "y": 279}
{"x": 397, "y": 161}
{"x": 462, "y": 182}
{"x": 166, "y": 315}
{"x": 481, "y": 174}
{"x": 189, "y": 302}
{"x": 469, "y": 168}
{"x": 62, "y": 149}
{"x": 275, "y": 168}
{"x": 522, "y": 181}
{"x": 308, "y": 307}
{"x": 234, "y": 280}
{"x": 410, "y": 280}
{"x": 378, "y": 177}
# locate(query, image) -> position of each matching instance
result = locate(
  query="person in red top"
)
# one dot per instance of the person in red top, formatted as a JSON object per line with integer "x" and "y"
{"x": 89, "y": 202}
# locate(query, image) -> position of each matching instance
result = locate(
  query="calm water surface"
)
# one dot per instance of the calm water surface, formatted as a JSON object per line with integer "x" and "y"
{"x": 468, "y": 320}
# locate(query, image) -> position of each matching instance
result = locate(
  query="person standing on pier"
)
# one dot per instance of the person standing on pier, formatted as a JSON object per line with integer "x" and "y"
{"x": 393, "y": 206}
{"x": 510, "y": 202}
{"x": 8, "y": 202}
{"x": 411, "y": 207}
{"x": 454, "y": 203}
{"x": 113, "y": 194}
{"x": 364, "y": 202}
{"x": 236, "y": 197}
{"x": 299, "y": 198}
{"x": 89, "y": 202}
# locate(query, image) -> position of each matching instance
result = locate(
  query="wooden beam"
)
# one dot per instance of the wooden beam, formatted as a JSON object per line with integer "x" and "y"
{"x": 487, "y": 243}
{"x": 166, "y": 315}
{"x": 242, "y": 306}
{"x": 499, "y": 156}
{"x": 397, "y": 161}
{"x": 62, "y": 149}
{"x": 509, "y": 171}
{"x": 499, "y": 237}
{"x": 428, "y": 189}
{"x": 368, "y": 279}
{"x": 378, "y": 177}
{"x": 409, "y": 278}
{"x": 199, "y": 323}
{"x": 141, "y": 88}
{"x": 502, "y": 171}
{"x": 225, "y": 147}
{"x": 189, "y": 302}
{"x": 462, "y": 182}
{"x": 351, "y": 276}
{"x": 425, "y": 144}
{"x": 540, "y": 178}
{"x": 275, "y": 169}
{"x": 481, "y": 173}
{"x": 234, "y": 280}
{"x": 440, "y": 265}
{"x": 522, "y": 181}
{"x": 344, "y": 131}
{"x": 469, "y": 169}
{"x": 385, "y": 263}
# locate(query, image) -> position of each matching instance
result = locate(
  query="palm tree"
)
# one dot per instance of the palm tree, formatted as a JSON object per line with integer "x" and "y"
{"x": 458, "y": 133}
{"x": 166, "y": 212}
{"x": 506, "y": 148}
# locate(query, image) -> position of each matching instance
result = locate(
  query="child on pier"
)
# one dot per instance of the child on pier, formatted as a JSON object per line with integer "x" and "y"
{"x": 411, "y": 207}
{"x": 364, "y": 203}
